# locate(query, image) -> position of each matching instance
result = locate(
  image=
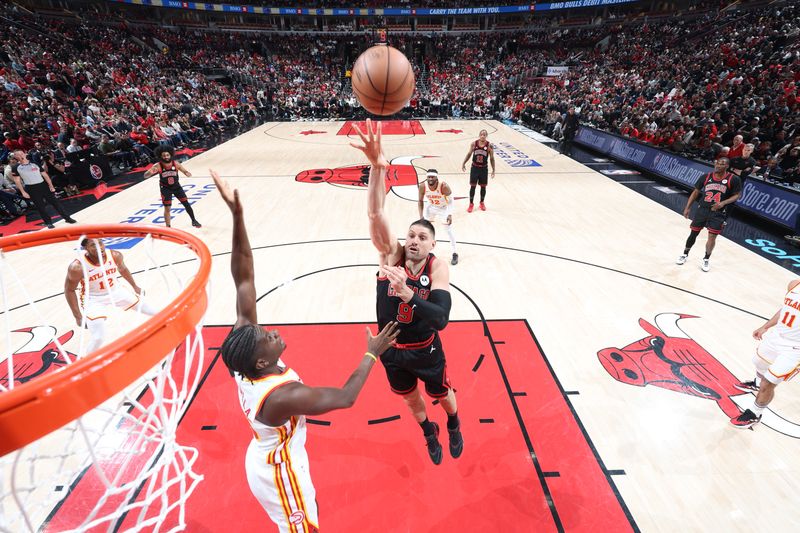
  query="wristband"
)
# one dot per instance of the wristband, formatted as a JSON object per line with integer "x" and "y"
{"x": 372, "y": 355}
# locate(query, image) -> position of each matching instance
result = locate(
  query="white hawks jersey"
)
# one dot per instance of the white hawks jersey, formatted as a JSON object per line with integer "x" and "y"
{"x": 788, "y": 326}
{"x": 101, "y": 278}
{"x": 435, "y": 196}
{"x": 278, "y": 441}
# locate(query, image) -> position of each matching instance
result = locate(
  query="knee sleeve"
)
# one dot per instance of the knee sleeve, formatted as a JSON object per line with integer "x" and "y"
{"x": 692, "y": 239}
{"x": 761, "y": 364}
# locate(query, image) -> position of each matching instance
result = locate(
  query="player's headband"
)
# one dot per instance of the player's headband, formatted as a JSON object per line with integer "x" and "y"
{"x": 432, "y": 172}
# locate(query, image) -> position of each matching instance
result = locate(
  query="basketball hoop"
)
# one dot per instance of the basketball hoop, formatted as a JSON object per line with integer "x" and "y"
{"x": 124, "y": 399}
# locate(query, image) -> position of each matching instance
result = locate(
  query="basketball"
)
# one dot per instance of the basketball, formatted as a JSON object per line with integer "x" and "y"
{"x": 383, "y": 80}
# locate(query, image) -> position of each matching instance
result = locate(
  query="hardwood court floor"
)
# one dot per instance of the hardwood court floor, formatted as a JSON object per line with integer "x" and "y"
{"x": 588, "y": 263}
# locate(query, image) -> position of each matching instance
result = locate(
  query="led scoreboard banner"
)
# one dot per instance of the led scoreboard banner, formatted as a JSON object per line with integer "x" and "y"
{"x": 360, "y": 11}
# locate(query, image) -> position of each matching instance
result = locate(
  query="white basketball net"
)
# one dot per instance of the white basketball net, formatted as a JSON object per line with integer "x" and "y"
{"x": 118, "y": 467}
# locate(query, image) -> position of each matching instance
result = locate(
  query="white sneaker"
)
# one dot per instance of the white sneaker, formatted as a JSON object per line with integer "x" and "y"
{"x": 704, "y": 265}
{"x": 681, "y": 260}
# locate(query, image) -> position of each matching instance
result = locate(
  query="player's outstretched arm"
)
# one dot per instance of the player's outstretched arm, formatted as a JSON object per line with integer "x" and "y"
{"x": 421, "y": 202}
{"x": 183, "y": 169}
{"x": 448, "y": 197}
{"x": 241, "y": 256}
{"x": 300, "y": 399}
{"x": 379, "y": 230}
{"x": 759, "y": 333}
{"x": 151, "y": 171}
{"x": 690, "y": 201}
{"x": 466, "y": 159}
{"x": 122, "y": 268}
{"x": 74, "y": 275}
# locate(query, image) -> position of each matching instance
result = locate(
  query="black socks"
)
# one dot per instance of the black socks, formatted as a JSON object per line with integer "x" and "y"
{"x": 452, "y": 421}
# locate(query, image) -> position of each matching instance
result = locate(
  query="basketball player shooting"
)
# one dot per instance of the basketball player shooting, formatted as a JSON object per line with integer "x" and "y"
{"x": 95, "y": 272}
{"x": 273, "y": 398}
{"x": 413, "y": 290}
{"x": 167, "y": 169}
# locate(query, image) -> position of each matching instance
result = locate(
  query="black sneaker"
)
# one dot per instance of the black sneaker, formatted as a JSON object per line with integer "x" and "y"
{"x": 745, "y": 420}
{"x": 747, "y": 386}
{"x": 196, "y": 224}
{"x": 70, "y": 220}
{"x": 456, "y": 442}
{"x": 434, "y": 448}
{"x": 454, "y": 261}
{"x": 50, "y": 226}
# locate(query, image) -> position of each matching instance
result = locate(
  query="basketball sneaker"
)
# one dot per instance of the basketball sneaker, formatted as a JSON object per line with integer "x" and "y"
{"x": 747, "y": 386}
{"x": 454, "y": 261}
{"x": 681, "y": 259}
{"x": 470, "y": 208}
{"x": 456, "y": 442}
{"x": 482, "y": 206}
{"x": 745, "y": 420}
{"x": 705, "y": 266}
{"x": 434, "y": 448}
{"x": 196, "y": 224}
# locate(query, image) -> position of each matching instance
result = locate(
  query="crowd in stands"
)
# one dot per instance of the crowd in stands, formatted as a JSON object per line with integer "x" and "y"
{"x": 693, "y": 88}
{"x": 691, "y": 85}
{"x": 70, "y": 87}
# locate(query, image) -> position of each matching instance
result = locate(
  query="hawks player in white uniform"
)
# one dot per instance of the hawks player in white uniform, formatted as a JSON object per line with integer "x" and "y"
{"x": 95, "y": 276}
{"x": 274, "y": 399}
{"x": 436, "y": 201}
{"x": 777, "y": 357}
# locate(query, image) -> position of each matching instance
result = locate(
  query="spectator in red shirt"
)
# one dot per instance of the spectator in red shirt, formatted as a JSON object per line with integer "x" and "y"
{"x": 25, "y": 142}
{"x": 11, "y": 143}
{"x": 736, "y": 148}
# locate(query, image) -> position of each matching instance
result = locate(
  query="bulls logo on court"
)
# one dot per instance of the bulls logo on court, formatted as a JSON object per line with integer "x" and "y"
{"x": 38, "y": 356}
{"x": 668, "y": 358}
{"x": 401, "y": 172}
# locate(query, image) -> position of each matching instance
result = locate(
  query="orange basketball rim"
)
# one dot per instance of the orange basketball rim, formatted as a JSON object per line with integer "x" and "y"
{"x": 33, "y": 409}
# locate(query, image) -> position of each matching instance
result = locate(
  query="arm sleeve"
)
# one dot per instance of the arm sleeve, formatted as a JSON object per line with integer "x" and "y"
{"x": 436, "y": 309}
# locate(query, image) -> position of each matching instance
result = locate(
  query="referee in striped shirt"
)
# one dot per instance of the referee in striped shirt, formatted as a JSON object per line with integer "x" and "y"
{"x": 34, "y": 184}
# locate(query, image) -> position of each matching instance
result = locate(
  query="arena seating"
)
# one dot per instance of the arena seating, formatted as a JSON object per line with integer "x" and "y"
{"x": 687, "y": 83}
